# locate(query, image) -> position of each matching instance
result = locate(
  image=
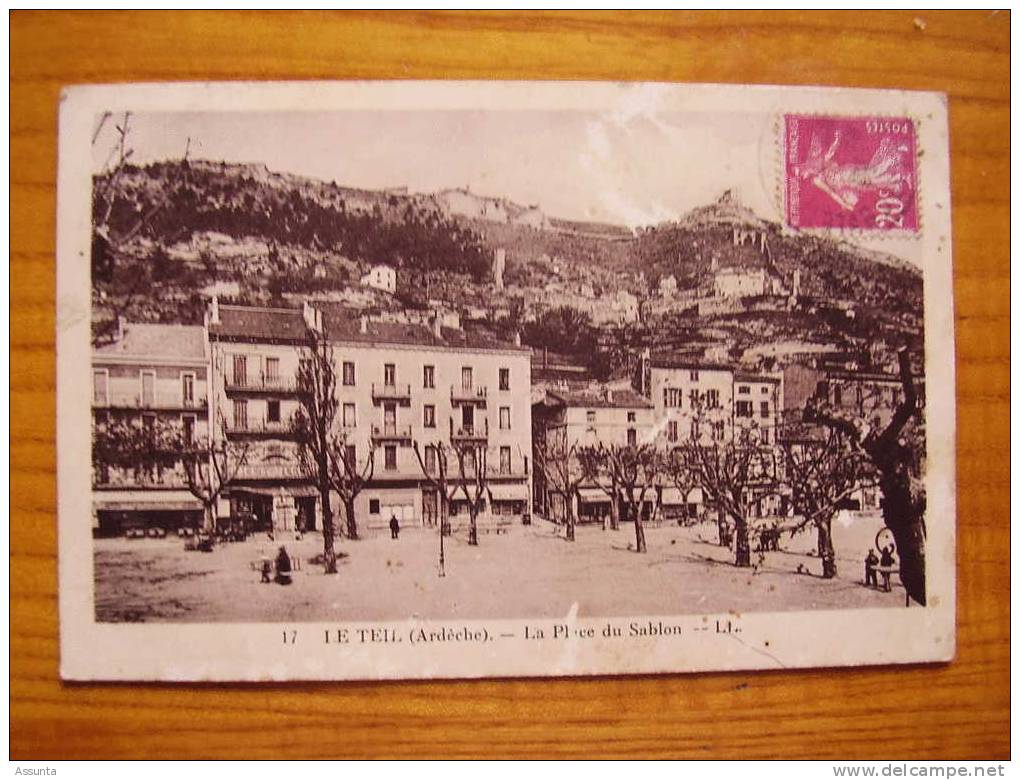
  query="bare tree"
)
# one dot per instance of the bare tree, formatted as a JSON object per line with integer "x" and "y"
{"x": 726, "y": 471}
{"x": 313, "y": 426}
{"x": 638, "y": 467}
{"x": 896, "y": 452}
{"x": 472, "y": 462}
{"x": 347, "y": 477}
{"x": 600, "y": 471}
{"x": 556, "y": 458}
{"x": 679, "y": 473}
{"x": 438, "y": 476}
{"x": 822, "y": 472}
{"x": 211, "y": 466}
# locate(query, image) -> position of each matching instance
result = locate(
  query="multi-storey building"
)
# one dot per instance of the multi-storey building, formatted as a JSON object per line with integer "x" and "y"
{"x": 565, "y": 421}
{"x": 154, "y": 378}
{"x": 255, "y": 354}
{"x": 397, "y": 385}
{"x": 692, "y": 399}
{"x": 405, "y": 385}
{"x": 757, "y": 406}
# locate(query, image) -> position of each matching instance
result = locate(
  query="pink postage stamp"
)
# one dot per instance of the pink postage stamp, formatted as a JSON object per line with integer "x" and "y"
{"x": 851, "y": 172}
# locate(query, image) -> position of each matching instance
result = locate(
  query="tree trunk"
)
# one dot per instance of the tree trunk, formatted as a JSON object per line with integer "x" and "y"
{"x": 444, "y": 516}
{"x": 639, "y": 531}
{"x": 570, "y": 518}
{"x": 473, "y": 527}
{"x": 904, "y": 515}
{"x": 352, "y": 522}
{"x": 614, "y": 512}
{"x": 328, "y": 553}
{"x": 743, "y": 548}
{"x": 209, "y": 517}
{"x": 826, "y": 552}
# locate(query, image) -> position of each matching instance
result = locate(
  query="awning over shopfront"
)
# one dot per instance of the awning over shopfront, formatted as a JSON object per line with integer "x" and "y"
{"x": 297, "y": 491}
{"x": 593, "y": 496}
{"x": 514, "y": 492}
{"x": 150, "y": 506}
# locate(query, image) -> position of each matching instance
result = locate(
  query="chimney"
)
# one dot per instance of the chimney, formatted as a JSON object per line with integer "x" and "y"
{"x": 120, "y": 328}
{"x": 517, "y": 338}
{"x": 364, "y": 324}
{"x": 437, "y": 324}
{"x": 312, "y": 316}
{"x": 214, "y": 311}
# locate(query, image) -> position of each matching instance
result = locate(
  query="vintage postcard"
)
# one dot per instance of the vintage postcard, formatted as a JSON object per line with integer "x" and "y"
{"x": 431, "y": 380}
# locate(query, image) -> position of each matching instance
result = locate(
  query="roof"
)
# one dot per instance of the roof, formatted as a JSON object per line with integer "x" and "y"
{"x": 621, "y": 399}
{"x": 741, "y": 376}
{"x": 157, "y": 341}
{"x": 688, "y": 364}
{"x": 259, "y": 324}
{"x": 868, "y": 376}
{"x": 343, "y": 324}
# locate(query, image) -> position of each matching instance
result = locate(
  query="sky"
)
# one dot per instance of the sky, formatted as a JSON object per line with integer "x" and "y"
{"x": 626, "y": 167}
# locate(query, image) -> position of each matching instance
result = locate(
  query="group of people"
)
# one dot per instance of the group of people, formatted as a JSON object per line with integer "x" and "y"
{"x": 873, "y": 566}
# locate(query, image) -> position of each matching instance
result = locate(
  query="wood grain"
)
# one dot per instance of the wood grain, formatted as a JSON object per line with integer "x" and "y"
{"x": 959, "y": 710}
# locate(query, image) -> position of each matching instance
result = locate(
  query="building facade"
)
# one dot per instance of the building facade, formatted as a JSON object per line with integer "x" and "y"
{"x": 381, "y": 277}
{"x": 150, "y": 381}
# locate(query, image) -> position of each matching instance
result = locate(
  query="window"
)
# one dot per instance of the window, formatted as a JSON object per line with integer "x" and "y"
{"x": 504, "y": 418}
{"x": 430, "y": 459}
{"x": 712, "y": 399}
{"x": 631, "y": 416}
{"x": 188, "y": 424}
{"x": 100, "y": 386}
{"x": 272, "y": 369}
{"x": 631, "y": 437}
{"x": 391, "y": 457}
{"x": 351, "y": 456}
{"x": 765, "y": 436}
{"x": 693, "y": 398}
{"x": 743, "y": 389}
{"x": 718, "y": 429}
{"x": 349, "y": 416}
{"x": 672, "y": 431}
{"x": 504, "y": 379}
{"x": 240, "y": 414}
{"x": 373, "y": 506}
{"x": 764, "y": 391}
{"x": 744, "y": 409}
{"x": 764, "y": 408}
{"x": 428, "y": 379}
{"x": 240, "y": 370}
{"x": 590, "y": 416}
{"x": 187, "y": 389}
{"x": 273, "y": 411}
{"x": 504, "y": 460}
{"x": 348, "y": 373}
{"x": 148, "y": 388}
{"x": 672, "y": 397}
{"x": 389, "y": 375}
{"x": 694, "y": 376}
{"x": 430, "y": 416}
{"x": 466, "y": 378}
{"x": 837, "y": 395}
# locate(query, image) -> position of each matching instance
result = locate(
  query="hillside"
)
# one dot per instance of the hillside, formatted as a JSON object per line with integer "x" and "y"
{"x": 171, "y": 234}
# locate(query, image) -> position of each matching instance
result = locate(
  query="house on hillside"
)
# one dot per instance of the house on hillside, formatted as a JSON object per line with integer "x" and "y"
{"x": 381, "y": 277}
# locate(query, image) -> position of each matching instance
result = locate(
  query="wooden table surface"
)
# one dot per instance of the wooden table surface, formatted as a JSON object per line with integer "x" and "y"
{"x": 959, "y": 710}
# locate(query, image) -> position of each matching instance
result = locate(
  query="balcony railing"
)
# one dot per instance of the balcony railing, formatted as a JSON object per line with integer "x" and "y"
{"x": 260, "y": 383}
{"x": 282, "y": 429}
{"x": 160, "y": 401}
{"x": 468, "y": 395}
{"x": 399, "y": 393}
{"x": 391, "y": 433}
{"x": 469, "y": 433}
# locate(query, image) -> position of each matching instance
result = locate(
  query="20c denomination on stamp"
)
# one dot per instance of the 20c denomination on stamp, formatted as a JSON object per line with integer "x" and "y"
{"x": 851, "y": 173}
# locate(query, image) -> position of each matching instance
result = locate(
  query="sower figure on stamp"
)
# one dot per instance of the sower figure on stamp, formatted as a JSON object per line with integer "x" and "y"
{"x": 870, "y": 575}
